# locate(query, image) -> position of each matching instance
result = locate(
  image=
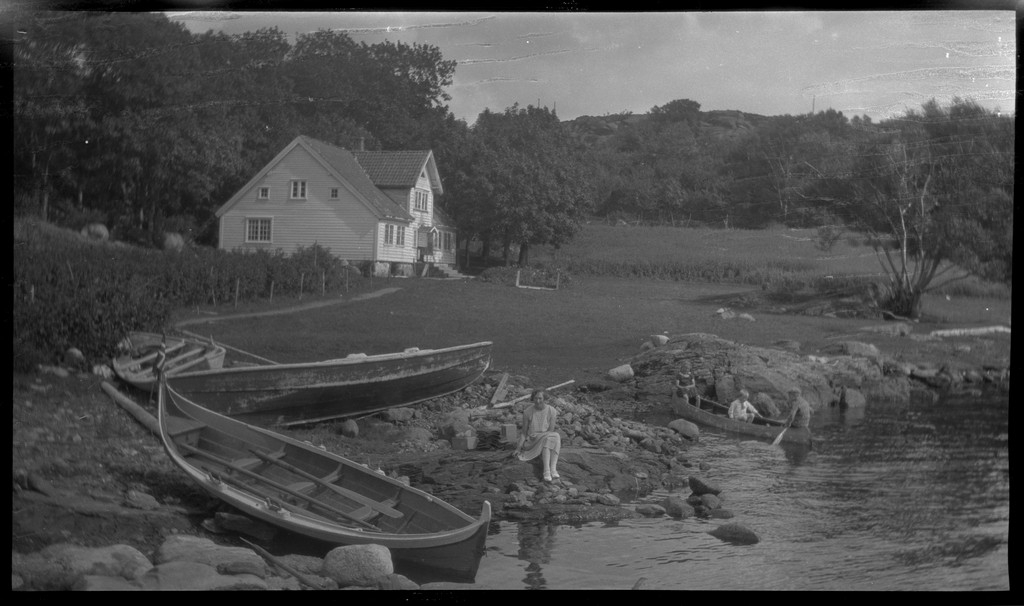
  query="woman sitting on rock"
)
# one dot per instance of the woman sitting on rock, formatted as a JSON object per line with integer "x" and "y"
{"x": 539, "y": 435}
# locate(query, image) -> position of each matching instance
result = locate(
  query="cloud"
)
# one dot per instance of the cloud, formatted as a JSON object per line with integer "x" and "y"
{"x": 391, "y": 29}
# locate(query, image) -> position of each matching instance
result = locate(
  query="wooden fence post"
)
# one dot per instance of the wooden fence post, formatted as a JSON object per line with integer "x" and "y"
{"x": 346, "y": 279}
{"x": 237, "y": 280}
{"x": 558, "y": 278}
{"x": 323, "y": 282}
{"x": 271, "y": 291}
{"x": 302, "y": 278}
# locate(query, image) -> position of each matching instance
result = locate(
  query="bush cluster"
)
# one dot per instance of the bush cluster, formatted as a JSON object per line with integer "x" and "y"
{"x": 69, "y": 292}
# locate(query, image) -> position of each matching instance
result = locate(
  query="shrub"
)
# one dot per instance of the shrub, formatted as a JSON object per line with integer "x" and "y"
{"x": 69, "y": 292}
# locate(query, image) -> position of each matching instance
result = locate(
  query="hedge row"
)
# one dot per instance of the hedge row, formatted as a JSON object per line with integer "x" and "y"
{"x": 74, "y": 293}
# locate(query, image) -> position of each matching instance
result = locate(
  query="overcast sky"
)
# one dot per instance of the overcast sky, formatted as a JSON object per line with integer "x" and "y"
{"x": 769, "y": 63}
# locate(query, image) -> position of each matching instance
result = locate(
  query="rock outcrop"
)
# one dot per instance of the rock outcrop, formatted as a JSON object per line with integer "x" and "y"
{"x": 721, "y": 368}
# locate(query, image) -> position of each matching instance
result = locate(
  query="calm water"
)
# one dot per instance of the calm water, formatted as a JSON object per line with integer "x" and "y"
{"x": 892, "y": 497}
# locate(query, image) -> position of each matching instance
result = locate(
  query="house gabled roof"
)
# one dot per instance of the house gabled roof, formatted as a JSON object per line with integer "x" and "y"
{"x": 344, "y": 167}
{"x": 399, "y": 169}
{"x": 345, "y": 163}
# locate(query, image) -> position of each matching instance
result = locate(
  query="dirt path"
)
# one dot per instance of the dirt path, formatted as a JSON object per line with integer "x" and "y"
{"x": 288, "y": 310}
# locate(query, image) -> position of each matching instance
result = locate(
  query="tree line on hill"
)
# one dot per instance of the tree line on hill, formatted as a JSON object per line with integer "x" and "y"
{"x": 133, "y": 121}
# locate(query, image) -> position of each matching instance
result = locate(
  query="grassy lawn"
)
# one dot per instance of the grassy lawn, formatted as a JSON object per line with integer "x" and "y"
{"x": 733, "y": 255}
{"x": 550, "y": 336}
{"x": 627, "y": 283}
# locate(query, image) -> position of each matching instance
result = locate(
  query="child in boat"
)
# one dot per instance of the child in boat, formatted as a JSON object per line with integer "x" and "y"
{"x": 686, "y": 385}
{"x": 741, "y": 409}
{"x": 539, "y": 435}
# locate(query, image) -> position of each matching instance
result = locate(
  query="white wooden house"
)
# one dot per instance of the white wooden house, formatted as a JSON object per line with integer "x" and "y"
{"x": 362, "y": 205}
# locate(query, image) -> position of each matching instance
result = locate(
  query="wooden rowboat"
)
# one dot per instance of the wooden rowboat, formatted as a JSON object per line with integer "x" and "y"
{"x": 761, "y": 428}
{"x": 304, "y": 489}
{"x": 294, "y": 394}
{"x": 136, "y": 367}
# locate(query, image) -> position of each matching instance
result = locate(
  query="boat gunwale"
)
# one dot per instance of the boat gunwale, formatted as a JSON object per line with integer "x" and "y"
{"x": 339, "y": 362}
{"x": 144, "y": 377}
{"x": 723, "y": 423}
{"x": 304, "y": 524}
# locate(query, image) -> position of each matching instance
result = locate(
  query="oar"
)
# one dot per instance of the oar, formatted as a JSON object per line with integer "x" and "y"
{"x": 274, "y": 560}
{"x": 778, "y": 438}
{"x": 527, "y": 396}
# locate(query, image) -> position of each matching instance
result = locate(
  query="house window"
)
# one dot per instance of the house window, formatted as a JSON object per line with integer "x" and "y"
{"x": 257, "y": 230}
{"x": 420, "y": 200}
{"x": 334, "y": 193}
{"x": 263, "y": 193}
{"x": 448, "y": 243}
{"x": 435, "y": 240}
{"x": 394, "y": 235}
{"x": 298, "y": 190}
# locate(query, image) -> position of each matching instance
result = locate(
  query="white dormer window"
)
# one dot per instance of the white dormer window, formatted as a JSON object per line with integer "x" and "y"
{"x": 298, "y": 190}
{"x": 334, "y": 193}
{"x": 420, "y": 199}
{"x": 263, "y": 193}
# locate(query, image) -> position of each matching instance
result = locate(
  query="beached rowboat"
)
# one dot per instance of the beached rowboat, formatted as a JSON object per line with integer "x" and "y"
{"x": 301, "y": 393}
{"x": 761, "y": 428}
{"x": 304, "y": 489}
{"x": 136, "y": 366}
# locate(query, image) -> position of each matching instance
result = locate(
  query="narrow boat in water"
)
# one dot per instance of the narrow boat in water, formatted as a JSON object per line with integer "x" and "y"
{"x": 766, "y": 428}
{"x": 307, "y": 490}
{"x": 301, "y": 393}
{"x": 136, "y": 366}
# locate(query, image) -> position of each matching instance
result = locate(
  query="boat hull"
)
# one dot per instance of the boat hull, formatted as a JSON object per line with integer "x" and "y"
{"x": 183, "y": 355}
{"x": 793, "y": 435}
{"x": 344, "y": 504}
{"x": 293, "y": 394}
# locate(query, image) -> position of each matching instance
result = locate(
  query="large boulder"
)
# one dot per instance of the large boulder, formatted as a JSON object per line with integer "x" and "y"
{"x": 685, "y": 428}
{"x": 186, "y": 548}
{"x": 359, "y": 565}
{"x": 677, "y": 507}
{"x": 183, "y": 575}
{"x": 58, "y": 565}
{"x": 701, "y": 487}
{"x": 735, "y": 533}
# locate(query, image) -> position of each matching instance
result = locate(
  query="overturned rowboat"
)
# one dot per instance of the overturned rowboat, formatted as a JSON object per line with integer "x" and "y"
{"x": 310, "y": 392}
{"x": 137, "y": 365}
{"x": 306, "y": 490}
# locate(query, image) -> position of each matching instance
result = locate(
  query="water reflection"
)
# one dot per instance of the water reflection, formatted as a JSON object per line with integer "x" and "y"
{"x": 908, "y": 496}
{"x": 536, "y": 542}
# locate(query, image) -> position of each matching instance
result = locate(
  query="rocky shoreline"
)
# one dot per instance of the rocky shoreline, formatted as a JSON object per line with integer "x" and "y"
{"x": 610, "y": 465}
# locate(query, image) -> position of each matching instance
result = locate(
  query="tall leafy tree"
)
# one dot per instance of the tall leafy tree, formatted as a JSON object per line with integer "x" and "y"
{"x": 935, "y": 190}
{"x": 51, "y": 116}
{"x": 537, "y": 189}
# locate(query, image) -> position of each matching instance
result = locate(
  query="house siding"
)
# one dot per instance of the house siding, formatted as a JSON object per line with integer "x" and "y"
{"x": 391, "y": 252}
{"x": 345, "y": 226}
